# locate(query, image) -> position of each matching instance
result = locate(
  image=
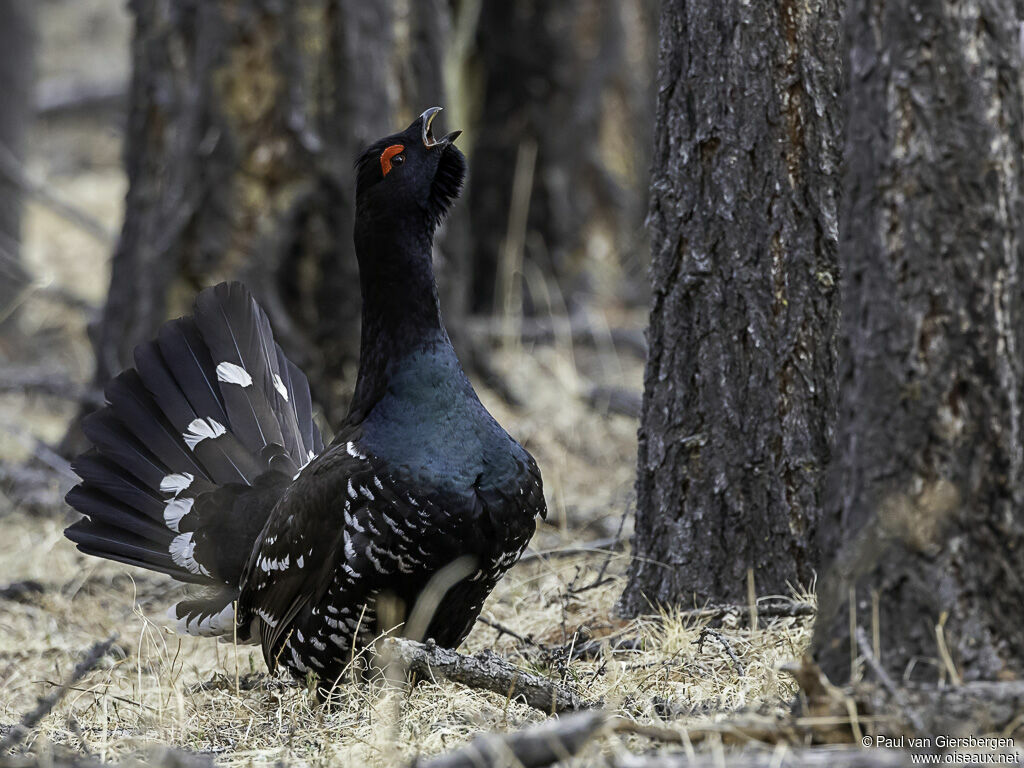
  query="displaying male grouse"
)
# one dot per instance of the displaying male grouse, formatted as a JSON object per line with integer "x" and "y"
{"x": 208, "y": 466}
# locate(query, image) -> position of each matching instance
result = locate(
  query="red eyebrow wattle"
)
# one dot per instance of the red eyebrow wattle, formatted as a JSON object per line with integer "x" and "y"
{"x": 387, "y": 154}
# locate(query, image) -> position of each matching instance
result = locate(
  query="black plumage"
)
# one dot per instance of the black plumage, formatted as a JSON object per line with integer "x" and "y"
{"x": 208, "y": 464}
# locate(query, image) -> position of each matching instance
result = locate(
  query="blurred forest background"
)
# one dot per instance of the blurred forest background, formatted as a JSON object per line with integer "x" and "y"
{"x": 215, "y": 141}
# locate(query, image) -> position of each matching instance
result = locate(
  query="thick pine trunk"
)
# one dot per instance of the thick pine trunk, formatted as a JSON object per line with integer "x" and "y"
{"x": 244, "y": 121}
{"x": 740, "y": 383}
{"x": 929, "y": 470}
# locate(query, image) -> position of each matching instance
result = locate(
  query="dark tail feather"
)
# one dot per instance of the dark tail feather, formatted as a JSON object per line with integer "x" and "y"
{"x": 230, "y": 322}
{"x": 193, "y": 450}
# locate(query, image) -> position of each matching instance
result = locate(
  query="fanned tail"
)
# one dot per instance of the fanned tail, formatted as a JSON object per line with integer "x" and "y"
{"x": 193, "y": 450}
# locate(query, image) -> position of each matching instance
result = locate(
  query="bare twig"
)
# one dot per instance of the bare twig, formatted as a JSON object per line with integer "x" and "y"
{"x": 12, "y": 169}
{"x": 600, "y": 546}
{"x": 486, "y": 671}
{"x": 887, "y": 682}
{"x": 503, "y": 630}
{"x": 705, "y": 632}
{"x": 46, "y": 703}
{"x": 604, "y": 566}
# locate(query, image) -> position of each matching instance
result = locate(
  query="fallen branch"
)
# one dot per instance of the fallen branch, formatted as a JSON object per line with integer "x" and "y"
{"x": 625, "y": 402}
{"x": 781, "y": 610}
{"x": 46, "y": 703}
{"x": 61, "y": 95}
{"x": 485, "y": 671}
{"x": 44, "y": 382}
{"x": 550, "y": 742}
{"x": 822, "y": 757}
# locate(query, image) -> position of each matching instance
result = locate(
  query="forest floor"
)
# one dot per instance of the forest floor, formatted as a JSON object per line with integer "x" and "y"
{"x": 156, "y": 687}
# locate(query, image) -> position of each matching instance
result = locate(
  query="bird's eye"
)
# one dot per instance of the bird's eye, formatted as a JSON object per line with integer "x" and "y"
{"x": 391, "y": 157}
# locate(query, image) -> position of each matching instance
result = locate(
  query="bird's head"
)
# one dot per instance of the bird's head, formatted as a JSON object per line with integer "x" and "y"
{"x": 410, "y": 173}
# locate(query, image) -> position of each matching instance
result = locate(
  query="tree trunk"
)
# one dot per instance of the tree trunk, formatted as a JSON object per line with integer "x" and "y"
{"x": 929, "y": 474}
{"x": 244, "y": 121}
{"x": 16, "y": 69}
{"x": 739, "y": 395}
{"x": 545, "y": 68}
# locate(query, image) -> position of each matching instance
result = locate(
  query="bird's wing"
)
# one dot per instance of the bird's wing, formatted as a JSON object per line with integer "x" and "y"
{"x": 346, "y": 522}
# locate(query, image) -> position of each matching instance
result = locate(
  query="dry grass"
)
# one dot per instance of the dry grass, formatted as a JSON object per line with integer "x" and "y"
{"x": 150, "y": 689}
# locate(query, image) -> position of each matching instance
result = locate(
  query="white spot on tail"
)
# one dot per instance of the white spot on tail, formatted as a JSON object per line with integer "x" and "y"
{"x": 175, "y": 510}
{"x": 175, "y": 483}
{"x": 351, "y": 450}
{"x": 202, "y": 429}
{"x": 182, "y": 550}
{"x": 230, "y": 373}
{"x": 267, "y": 618}
{"x": 282, "y": 390}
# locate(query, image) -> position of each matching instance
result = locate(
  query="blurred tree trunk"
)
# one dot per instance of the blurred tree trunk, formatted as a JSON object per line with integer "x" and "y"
{"x": 244, "y": 121}
{"x": 432, "y": 29}
{"x": 545, "y": 67}
{"x": 740, "y": 385}
{"x": 16, "y": 78}
{"x": 928, "y": 479}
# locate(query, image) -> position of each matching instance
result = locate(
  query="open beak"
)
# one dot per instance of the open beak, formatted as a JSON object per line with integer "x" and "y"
{"x": 428, "y": 137}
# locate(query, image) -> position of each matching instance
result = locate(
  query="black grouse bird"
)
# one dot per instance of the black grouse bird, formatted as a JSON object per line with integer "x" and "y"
{"x": 208, "y": 466}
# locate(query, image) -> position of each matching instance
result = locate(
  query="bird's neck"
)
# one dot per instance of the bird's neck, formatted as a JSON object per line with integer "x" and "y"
{"x": 401, "y": 312}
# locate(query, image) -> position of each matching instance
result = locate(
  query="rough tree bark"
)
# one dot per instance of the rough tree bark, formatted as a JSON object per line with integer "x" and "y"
{"x": 244, "y": 121}
{"x": 16, "y": 69}
{"x": 740, "y": 382}
{"x": 929, "y": 470}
